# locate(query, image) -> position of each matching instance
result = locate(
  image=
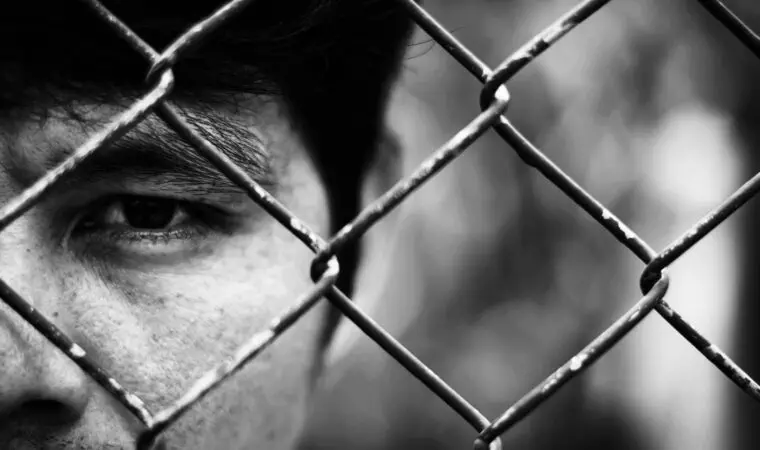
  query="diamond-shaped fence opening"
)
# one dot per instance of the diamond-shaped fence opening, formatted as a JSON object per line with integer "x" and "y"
{"x": 494, "y": 100}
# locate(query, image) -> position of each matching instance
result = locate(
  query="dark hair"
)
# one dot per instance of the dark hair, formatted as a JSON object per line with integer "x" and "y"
{"x": 333, "y": 62}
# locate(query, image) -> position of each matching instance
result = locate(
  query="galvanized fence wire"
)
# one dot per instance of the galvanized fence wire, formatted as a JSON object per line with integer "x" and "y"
{"x": 494, "y": 100}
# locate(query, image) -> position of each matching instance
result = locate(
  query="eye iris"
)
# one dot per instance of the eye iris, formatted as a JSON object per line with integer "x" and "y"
{"x": 149, "y": 213}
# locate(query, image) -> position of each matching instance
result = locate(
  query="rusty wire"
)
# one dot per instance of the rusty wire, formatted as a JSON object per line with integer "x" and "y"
{"x": 494, "y": 101}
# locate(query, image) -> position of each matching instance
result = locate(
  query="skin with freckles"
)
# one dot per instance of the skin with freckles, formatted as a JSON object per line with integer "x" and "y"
{"x": 158, "y": 273}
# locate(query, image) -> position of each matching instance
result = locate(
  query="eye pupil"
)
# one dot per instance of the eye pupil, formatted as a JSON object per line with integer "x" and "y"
{"x": 148, "y": 213}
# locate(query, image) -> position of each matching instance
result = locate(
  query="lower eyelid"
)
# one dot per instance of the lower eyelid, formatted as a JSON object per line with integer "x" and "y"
{"x": 156, "y": 236}
{"x": 129, "y": 247}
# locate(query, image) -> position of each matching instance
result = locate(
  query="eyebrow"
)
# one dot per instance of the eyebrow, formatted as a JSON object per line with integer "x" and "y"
{"x": 152, "y": 149}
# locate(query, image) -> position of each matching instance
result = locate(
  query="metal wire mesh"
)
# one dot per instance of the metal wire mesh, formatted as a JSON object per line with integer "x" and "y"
{"x": 494, "y": 101}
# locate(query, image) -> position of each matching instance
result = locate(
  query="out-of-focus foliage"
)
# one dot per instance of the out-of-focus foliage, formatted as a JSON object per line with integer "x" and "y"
{"x": 494, "y": 278}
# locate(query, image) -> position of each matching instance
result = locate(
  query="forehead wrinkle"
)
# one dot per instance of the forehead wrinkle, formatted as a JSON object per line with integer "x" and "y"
{"x": 35, "y": 148}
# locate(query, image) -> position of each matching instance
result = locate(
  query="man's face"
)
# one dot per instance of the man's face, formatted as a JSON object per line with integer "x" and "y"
{"x": 159, "y": 268}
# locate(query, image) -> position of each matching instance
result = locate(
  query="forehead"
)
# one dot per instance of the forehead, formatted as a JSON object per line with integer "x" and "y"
{"x": 249, "y": 131}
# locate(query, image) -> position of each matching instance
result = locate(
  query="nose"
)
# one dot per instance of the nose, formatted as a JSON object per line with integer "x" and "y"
{"x": 42, "y": 389}
{"x": 39, "y": 384}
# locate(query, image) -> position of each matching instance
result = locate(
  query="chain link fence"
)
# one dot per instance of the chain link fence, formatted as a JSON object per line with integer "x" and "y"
{"x": 494, "y": 101}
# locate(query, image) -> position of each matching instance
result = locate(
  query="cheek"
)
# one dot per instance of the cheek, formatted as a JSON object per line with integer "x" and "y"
{"x": 262, "y": 405}
{"x": 253, "y": 280}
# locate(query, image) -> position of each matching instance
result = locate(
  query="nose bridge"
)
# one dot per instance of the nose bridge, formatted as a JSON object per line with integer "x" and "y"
{"x": 32, "y": 371}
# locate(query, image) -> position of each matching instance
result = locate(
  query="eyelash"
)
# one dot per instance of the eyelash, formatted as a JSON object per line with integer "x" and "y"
{"x": 200, "y": 221}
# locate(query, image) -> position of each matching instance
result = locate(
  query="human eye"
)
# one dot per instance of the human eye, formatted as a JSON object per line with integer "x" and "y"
{"x": 144, "y": 225}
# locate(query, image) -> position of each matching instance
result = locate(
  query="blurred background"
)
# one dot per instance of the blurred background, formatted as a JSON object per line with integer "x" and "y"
{"x": 494, "y": 278}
